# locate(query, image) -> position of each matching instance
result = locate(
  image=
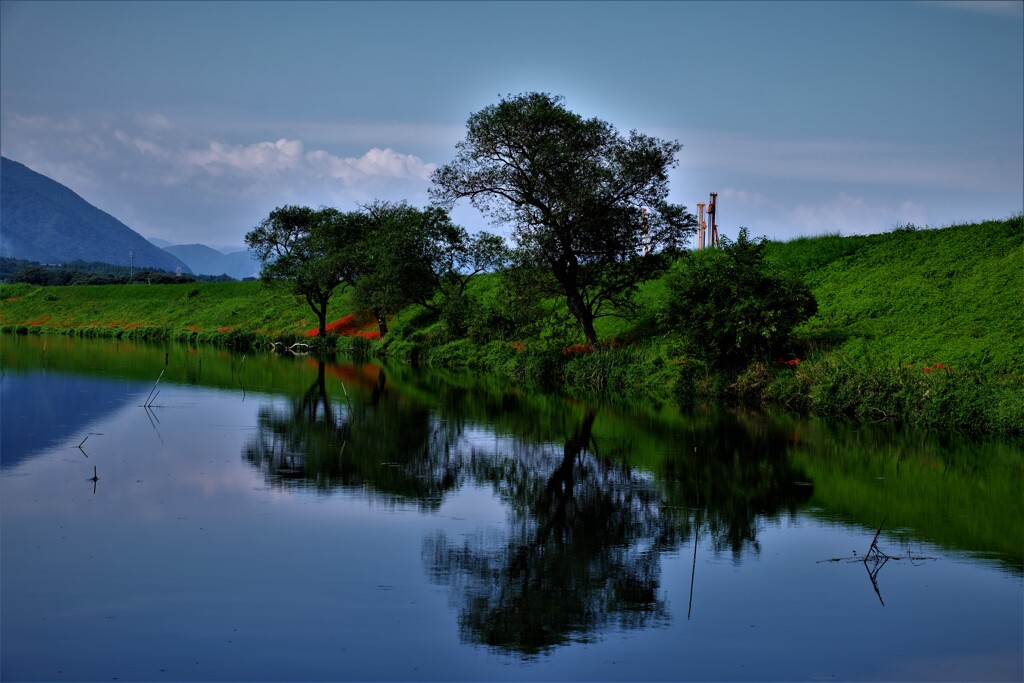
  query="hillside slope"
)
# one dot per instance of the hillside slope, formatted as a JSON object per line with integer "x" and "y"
{"x": 42, "y": 220}
{"x": 952, "y": 295}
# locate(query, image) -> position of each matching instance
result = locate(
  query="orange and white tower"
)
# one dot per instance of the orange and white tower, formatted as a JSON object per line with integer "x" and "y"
{"x": 701, "y": 226}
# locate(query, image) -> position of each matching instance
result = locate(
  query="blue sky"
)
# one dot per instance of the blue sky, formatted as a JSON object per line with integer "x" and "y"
{"x": 190, "y": 122}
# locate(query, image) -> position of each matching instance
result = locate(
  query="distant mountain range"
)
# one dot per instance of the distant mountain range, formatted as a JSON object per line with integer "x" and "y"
{"x": 204, "y": 260}
{"x": 44, "y": 221}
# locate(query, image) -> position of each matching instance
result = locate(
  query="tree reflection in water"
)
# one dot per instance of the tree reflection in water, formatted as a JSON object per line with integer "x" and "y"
{"x": 581, "y": 549}
{"x": 581, "y": 552}
{"x": 736, "y": 475}
{"x": 375, "y": 443}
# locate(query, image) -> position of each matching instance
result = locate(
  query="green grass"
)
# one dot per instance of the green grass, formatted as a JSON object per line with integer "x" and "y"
{"x": 889, "y": 305}
{"x": 953, "y": 295}
{"x": 203, "y": 310}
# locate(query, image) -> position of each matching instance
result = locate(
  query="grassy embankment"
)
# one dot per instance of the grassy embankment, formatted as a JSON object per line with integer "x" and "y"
{"x": 923, "y": 327}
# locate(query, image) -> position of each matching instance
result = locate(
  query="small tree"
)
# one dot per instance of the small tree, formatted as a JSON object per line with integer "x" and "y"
{"x": 413, "y": 255}
{"x": 315, "y": 251}
{"x": 730, "y": 307}
{"x": 574, "y": 191}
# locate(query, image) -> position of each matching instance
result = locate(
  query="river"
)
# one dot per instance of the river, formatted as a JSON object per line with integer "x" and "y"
{"x": 195, "y": 514}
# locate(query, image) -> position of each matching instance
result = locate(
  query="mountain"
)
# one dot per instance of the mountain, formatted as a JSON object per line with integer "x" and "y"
{"x": 204, "y": 260}
{"x": 42, "y": 220}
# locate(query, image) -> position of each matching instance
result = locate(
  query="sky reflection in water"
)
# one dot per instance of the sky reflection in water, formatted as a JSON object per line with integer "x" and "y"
{"x": 483, "y": 551}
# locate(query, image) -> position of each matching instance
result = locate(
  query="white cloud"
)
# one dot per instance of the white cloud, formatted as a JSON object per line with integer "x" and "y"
{"x": 155, "y": 121}
{"x": 187, "y": 184}
{"x": 853, "y": 215}
{"x": 742, "y": 197}
{"x": 960, "y": 167}
{"x": 167, "y": 181}
{"x": 376, "y": 163}
{"x": 142, "y": 145}
{"x": 257, "y": 159}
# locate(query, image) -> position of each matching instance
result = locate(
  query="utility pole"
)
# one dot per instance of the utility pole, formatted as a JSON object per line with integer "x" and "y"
{"x": 131, "y": 264}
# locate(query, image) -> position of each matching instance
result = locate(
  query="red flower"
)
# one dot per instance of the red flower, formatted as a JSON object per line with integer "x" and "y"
{"x": 352, "y": 325}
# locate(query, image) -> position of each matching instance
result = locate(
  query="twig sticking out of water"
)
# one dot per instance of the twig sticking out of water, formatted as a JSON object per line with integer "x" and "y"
{"x": 149, "y": 399}
{"x": 874, "y": 559}
{"x": 874, "y": 545}
{"x": 693, "y": 567}
{"x": 86, "y": 439}
{"x": 238, "y": 376}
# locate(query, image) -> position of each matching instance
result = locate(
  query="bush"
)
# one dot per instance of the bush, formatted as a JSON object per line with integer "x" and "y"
{"x": 730, "y": 308}
{"x": 456, "y": 354}
{"x": 492, "y": 318}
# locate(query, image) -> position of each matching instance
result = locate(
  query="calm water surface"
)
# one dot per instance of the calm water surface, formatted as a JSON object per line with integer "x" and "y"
{"x": 273, "y": 518}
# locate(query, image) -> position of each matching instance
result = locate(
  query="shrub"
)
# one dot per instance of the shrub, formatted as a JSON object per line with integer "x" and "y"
{"x": 460, "y": 353}
{"x": 730, "y": 308}
{"x": 493, "y": 318}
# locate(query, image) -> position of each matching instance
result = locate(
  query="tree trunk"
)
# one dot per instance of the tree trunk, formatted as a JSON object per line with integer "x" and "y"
{"x": 319, "y": 306}
{"x": 381, "y": 323}
{"x": 583, "y": 316}
{"x": 560, "y": 489}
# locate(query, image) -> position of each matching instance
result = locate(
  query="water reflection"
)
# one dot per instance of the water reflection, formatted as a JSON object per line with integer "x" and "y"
{"x": 513, "y": 522}
{"x": 585, "y": 530}
{"x": 50, "y": 407}
{"x": 581, "y": 549}
{"x": 735, "y": 479}
{"x": 371, "y": 440}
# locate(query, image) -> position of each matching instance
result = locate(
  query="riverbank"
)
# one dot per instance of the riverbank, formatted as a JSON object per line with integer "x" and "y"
{"x": 919, "y": 327}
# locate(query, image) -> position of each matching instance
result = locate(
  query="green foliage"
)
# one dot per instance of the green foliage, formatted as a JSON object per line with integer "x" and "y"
{"x": 730, "y": 308}
{"x": 947, "y": 295}
{"x": 311, "y": 250}
{"x": 392, "y": 254}
{"x": 152, "y": 312}
{"x": 500, "y": 312}
{"x": 460, "y": 353}
{"x": 858, "y": 360}
{"x": 91, "y": 273}
{"x": 583, "y": 201}
{"x": 411, "y": 255}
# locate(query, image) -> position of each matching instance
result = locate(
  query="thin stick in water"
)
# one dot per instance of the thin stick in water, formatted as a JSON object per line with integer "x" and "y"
{"x": 874, "y": 540}
{"x": 148, "y": 402}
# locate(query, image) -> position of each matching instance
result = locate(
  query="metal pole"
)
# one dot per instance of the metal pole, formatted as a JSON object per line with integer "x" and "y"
{"x": 713, "y": 210}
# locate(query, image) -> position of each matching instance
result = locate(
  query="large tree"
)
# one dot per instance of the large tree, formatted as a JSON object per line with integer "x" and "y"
{"x": 588, "y": 206}
{"x": 315, "y": 251}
